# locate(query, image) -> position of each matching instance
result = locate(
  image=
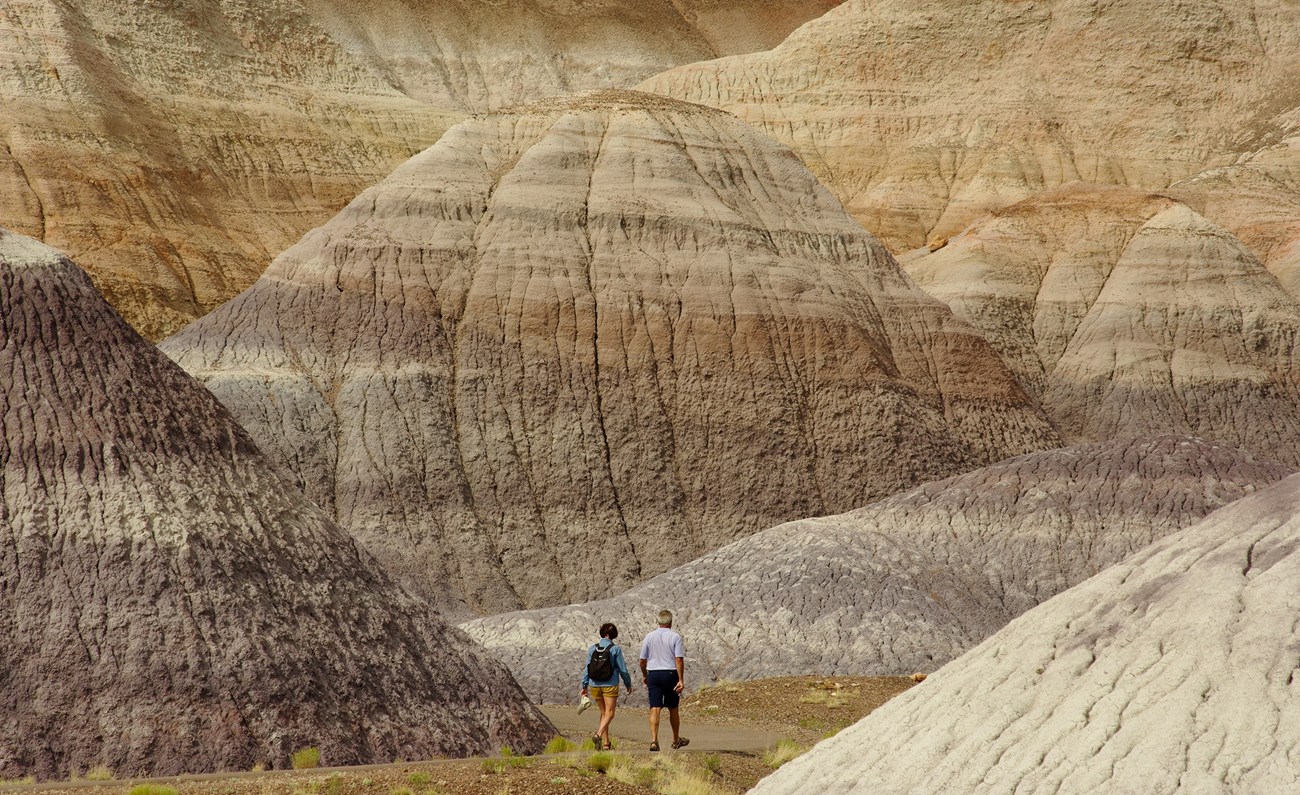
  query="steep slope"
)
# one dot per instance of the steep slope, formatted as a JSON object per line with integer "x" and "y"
{"x": 175, "y": 148}
{"x": 1173, "y": 671}
{"x": 569, "y": 347}
{"x": 923, "y": 116}
{"x": 1129, "y": 314}
{"x": 168, "y": 603}
{"x": 902, "y": 585}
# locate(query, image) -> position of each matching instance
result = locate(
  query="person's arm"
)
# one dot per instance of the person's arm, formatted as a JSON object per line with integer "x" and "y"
{"x": 622, "y": 669}
{"x": 680, "y": 659}
{"x": 645, "y": 673}
{"x": 585, "y": 678}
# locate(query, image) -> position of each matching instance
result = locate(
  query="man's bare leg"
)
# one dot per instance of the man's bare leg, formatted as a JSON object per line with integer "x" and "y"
{"x": 675, "y": 720}
{"x": 654, "y": 724}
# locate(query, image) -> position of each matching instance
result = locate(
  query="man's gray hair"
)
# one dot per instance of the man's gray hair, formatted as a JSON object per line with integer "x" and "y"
{"x": 665, "y": 618}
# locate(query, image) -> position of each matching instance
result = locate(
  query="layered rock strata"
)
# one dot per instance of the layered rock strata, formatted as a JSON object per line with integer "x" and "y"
{"x": 1127, "y": 313}
{"x": 905, "y": 584}
{"x": 572, "y": 346}
{"x": 923, "y": 116}
{"x": 175, "y": 148}
{"x": 1172, "y": 671}
{"x": 168, "y": 602}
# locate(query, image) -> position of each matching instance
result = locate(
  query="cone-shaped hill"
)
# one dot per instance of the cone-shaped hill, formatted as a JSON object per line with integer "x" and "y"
{"x": 905, "y": 584}
{"x": 1127, "y": 314}
{"x": 571, "y": 346}
{"x": 168, "y": 602}
{"x": 1172, "y": 671}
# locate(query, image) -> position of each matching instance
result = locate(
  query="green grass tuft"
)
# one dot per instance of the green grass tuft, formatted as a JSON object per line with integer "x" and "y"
{"x": 560, "y": 745}
{"x": 784, "y": 751}
{"x": 600, "y": 762}
{"x": 305, "y": 758}
{"x": 151, "y": 789}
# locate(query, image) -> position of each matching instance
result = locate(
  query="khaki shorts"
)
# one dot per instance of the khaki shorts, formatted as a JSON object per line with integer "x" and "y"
{"x": 597, "y": 693}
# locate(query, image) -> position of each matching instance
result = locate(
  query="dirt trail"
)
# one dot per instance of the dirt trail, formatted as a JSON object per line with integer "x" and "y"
{"x": 631, "y": 730}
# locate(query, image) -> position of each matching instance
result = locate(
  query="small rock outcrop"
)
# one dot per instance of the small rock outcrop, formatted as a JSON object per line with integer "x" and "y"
{"x": 1127, "y": 313}
{"x": 1172, "y": 671}
{"x": 175, "y": 148}
{"x": 905, "y": 584}
{"x": 168, "y": 602}
{"x": 922, "y": 117}
{"x": 574, "y": 345}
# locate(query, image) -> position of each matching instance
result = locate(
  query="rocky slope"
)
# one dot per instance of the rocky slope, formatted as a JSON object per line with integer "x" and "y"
{"x": 168, "y": 602}
{"x": 572, "y": 346}
{"x": 922, "y": 117}
{"x": 1173, "y": 671}
{"x": 1128, "y": 313}
{"x": 175, "y": 148}
{"x": 905, "y": 584}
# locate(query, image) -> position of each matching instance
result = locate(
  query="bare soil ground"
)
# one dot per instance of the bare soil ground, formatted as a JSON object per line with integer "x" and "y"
{"x": 732, "y": 727}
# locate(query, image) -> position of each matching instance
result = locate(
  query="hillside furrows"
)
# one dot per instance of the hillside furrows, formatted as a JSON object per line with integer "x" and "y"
{"x": 175, "y": 150}
{"x": 904, "y": 584}
{"x": 1171, "y": 671}
{"x": 1128, "y": 313}
{"x": 168, "y": 603}
{"x": 923, "y": 118}
{"x": 570, "y": 347}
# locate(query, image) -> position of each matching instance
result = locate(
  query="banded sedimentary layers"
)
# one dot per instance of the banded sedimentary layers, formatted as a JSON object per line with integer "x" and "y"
{"x": 1172, "y": 671}
{"x": 1127, "y": 313}
{"x": 923, "y": 116}
{"x": 905, "y": 584}
{"x": 175, "y": 148}
{"x": 168, "y": 602}
{"x": 570, "y": 347}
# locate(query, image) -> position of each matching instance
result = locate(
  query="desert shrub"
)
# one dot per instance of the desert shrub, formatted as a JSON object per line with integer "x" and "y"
{"x": 17, "y": 782}
{"x": 305, "y": 758}
{"x": 684, "y": 783}
{"x": 419, "y": 780}
{"x": 151, "y": 789}
{"x": 560, "y": 745}
{"x": 713, "y": 764}
{"x": 600, "y": 762}
{"x": 627, "y": 770}
{"x": 815, "y": 697}
{"x": 784, "y": 751}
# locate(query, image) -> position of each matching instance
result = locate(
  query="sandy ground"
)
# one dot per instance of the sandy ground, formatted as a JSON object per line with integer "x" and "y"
{"x": 732, "y": 728}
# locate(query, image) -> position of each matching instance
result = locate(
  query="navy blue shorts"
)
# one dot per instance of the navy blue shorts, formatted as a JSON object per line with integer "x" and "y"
{"x": 659, "y": 685}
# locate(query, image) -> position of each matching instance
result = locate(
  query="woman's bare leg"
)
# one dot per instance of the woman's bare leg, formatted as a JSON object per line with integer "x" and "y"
{"x": 608, "y": 705}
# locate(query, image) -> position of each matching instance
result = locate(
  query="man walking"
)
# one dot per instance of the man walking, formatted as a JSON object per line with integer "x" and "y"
{"x": 663, "y": 671}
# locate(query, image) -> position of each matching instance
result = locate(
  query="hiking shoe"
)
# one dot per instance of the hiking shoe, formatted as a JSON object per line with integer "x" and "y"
{"x": 680, "y": 742}
{"x": 595, "y": 742}
{"x": 654, "y": 746}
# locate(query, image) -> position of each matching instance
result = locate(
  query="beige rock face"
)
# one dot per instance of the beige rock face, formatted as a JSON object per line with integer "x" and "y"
{"x": 175, "y": 148}
{"x": 921, "y": 117}
{"x": 1128, "y": 313}
{"x": 568, "y": 348}
{"x": 168, "y": 602}
{"x": 1173, "y": 671}
{"x": 905, "y": 584}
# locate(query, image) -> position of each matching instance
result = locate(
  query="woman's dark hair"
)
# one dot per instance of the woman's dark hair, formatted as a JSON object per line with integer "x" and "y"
{"x": 608, "y": 630}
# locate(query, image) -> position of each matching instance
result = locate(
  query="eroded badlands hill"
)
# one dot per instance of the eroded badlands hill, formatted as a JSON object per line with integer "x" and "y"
{"x": 1128, "y": 313}
{"x": 175, "y": 148}
{"x": 923, "y": 116}
{"x": 905, "y": 584}
{"x": 569, "y": 347}
{"x": 1172, "y": 671}
{"x": 168, "y": 603}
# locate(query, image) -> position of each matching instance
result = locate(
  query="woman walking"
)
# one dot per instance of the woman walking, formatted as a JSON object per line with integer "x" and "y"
{"x": 605, "y": 666}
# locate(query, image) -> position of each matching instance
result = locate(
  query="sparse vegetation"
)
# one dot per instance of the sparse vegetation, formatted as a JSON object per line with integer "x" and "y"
{"x": 17, "y": 782}
{"x": 560, "y": 745}
{"x": 305, "y": 758}
{"x": 151, "y": 789}
{"x": 783, "y": 752}
{"x": 419, "y": 780}
{"x": 601, "y": 761}
{"x": 98, "y": 773}
{"x": 713, "y": 764}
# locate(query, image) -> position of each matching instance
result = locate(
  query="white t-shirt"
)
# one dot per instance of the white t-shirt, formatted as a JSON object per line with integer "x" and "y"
{"x": 661, "y": 648}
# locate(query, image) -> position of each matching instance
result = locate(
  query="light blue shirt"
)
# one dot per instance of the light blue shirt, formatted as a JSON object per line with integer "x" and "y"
{"x": 661, "y": 648}
{"x": 617, "y": 662}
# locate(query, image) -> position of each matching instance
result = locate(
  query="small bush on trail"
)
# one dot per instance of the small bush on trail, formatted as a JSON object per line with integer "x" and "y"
{"x": 151, "y": 789}
{"x": 784, "y": 751}
{"x": 305, "y": 758}
{"x": 560, "y": 745}
{"x": 600, "y": 762}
